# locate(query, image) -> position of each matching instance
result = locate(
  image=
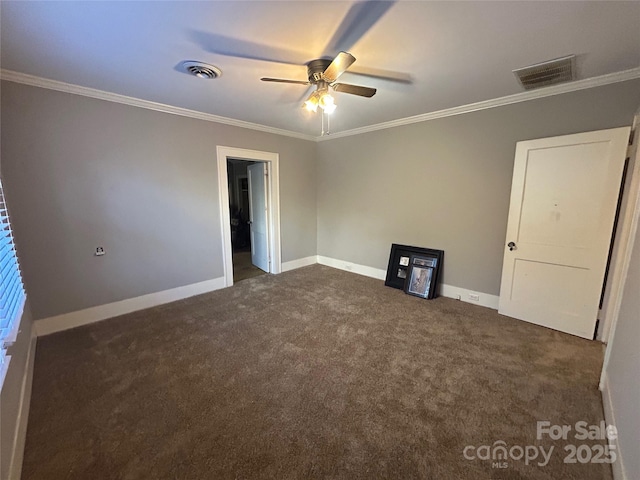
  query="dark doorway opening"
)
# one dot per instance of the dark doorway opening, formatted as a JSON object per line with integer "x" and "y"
{"x": 239, "y": 213}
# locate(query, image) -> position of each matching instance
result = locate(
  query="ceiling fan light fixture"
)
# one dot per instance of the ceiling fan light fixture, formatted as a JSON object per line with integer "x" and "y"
{"x": 326, "y": 101}
{"x": 320, "y": 98}
{"x": 323, "y": 73}
{"x": 312, "y": 102}
{"x": 311, "y": 106}
{"x": 329, "y": 109}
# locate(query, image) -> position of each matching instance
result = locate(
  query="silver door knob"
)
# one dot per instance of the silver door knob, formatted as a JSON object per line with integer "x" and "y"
{"x": 512, "y": 246}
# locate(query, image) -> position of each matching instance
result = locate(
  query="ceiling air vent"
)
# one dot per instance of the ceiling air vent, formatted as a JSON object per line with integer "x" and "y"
{"x": 201, "y": 70}
{"x": 547, "y": 73}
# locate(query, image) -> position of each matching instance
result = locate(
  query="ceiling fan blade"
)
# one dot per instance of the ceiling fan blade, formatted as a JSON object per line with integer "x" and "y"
{"x": 354, "y": 89}
{"x": 235, "y": 47}
{"x": 380, "y": 74}
{"x": 342, "y": 61}
{"x": 361, "y": 17}
{"x": 282, "y": 80}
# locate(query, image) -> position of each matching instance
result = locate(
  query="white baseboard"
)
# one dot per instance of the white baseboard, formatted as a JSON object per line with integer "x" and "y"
{"x": 20, "y": 437}
{"x": 353, "y": 267}
{"x": 463, "y": 294}
{"x": 485, "y": 299}
{"x": 78, "y": 318}
{"x": 619, "y": 472}
{"x": 299, "y": 263}
{"x": 66, "y": 321}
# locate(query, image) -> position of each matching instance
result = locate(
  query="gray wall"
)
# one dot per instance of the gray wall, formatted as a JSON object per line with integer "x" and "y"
{"x": 623, "y": 369}
{"x": 82, "y": 172}
{"x": 446, "y": 183}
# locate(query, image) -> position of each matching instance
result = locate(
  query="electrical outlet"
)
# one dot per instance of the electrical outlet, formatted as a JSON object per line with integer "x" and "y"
{"x": 99, "y": 251}
{"x": 474, "y": 297}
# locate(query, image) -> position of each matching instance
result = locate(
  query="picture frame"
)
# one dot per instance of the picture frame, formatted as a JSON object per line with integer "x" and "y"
{"x": 398, "y": 266}
{"x": 420, "y": 276}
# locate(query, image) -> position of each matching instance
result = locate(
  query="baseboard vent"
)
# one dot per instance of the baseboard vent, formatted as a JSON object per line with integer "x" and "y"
{"x": 547, "y": 73}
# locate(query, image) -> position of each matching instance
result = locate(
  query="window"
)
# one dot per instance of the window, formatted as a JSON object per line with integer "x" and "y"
{"x": 12, "y": 294}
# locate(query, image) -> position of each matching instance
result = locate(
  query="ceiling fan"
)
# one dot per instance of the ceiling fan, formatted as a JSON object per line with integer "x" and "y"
{"x": 323, "y": 74}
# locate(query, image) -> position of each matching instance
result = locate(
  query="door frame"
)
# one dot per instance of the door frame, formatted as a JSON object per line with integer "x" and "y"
{"x": 625, "y": 252}
{"x": 273, "y": 205}
{"x": 619, "y": 264}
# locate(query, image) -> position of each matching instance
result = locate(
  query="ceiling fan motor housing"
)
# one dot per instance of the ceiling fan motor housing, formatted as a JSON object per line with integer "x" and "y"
{"x": 323, "y": 73}
{"x": 315, "y": 69}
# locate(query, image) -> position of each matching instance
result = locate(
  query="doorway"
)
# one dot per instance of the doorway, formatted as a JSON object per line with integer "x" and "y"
{"x": 248, "y": 184}
{"x": 248, "y": 213}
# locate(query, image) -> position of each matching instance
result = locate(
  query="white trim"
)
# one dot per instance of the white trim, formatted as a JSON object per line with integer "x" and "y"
{"x": 449, "y": 291}
{"x": 495, "y": 102}
{"x": 623, "y": 271}
{"x": 78, "y": 318}
{"x": 225, "y": 218}
{"x": 299, "y": 263}
{"x": 273, "y": 201}
{"x": 620, "y": 264}
{"x": 353, "y": 267}
{"x": 20, "y": 436}
{"x": 463, "y": 294}
{"x": 619, "y": 472}
{"x": 4, "y": 366}
{"x": 568, "y": 87}
{"x": 34, "y": 81}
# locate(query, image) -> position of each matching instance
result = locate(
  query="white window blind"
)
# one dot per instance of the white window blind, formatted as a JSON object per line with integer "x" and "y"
{"x": 12, "y": 294}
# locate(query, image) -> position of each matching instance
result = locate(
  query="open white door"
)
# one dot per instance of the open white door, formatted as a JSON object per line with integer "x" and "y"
{"x": 258, "y": 224}
{"x": 563, "y": 203}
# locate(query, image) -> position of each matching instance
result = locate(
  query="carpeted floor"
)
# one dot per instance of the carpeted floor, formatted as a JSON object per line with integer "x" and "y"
{"x": 312, "y": 374}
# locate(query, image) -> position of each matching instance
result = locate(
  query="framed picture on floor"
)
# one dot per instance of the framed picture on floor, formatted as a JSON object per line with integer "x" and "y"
{"x": 420, "y": 277}
{"x": 399, "y": 265}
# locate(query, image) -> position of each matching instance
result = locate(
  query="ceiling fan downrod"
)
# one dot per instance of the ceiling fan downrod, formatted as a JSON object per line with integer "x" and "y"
{"x": 326, "y": 132}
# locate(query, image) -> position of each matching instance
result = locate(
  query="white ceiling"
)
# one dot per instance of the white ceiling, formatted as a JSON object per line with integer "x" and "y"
{"x": 455, "y": 53}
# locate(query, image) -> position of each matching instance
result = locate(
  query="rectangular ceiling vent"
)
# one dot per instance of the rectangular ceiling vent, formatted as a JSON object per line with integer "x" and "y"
{"x": 547, "y": 73}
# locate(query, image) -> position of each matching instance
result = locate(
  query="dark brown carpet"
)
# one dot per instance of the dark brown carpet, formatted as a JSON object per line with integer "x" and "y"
{"x": 311, "y": 374}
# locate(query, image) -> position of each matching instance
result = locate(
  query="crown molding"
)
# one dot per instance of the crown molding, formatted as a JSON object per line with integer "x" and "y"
{"x": 496, "y": 102}
{"x": 34, "y": 81}
{"x": 568, "y": 87}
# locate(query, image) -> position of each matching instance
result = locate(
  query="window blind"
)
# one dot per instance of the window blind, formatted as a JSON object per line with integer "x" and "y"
{"x": 12, "y": 296}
